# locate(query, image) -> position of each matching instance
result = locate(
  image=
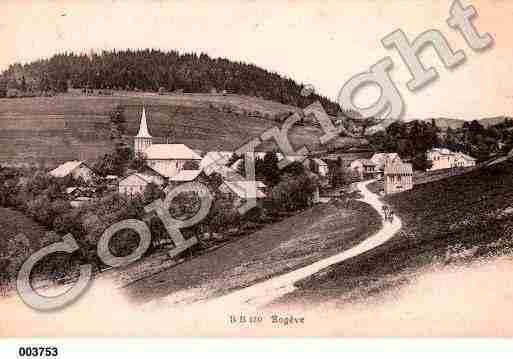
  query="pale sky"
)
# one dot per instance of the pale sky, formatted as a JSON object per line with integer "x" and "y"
{"x": 323, "y": 43}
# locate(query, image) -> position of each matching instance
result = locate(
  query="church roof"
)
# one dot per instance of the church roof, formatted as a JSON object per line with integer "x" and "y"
{"x": 175, "y": 151}
{"x": 143, "y": 128}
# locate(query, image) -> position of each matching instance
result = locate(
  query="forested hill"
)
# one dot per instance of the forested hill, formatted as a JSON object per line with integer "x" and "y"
{"x": 151, "y": 70}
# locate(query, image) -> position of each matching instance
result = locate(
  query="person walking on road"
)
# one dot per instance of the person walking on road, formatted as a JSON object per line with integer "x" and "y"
{"x": 385, "y": 212}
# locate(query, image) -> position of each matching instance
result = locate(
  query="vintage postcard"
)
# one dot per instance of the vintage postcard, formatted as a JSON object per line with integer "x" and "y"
{"x": 256, "y": 169}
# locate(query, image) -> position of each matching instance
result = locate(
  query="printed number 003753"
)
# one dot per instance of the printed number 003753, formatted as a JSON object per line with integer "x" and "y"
{"x": 38, "y": 352}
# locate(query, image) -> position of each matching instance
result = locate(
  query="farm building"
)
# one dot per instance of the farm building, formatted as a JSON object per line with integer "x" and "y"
{"x": 398, "y": 177}
{"x": 442, "y": 158}
{"x": 166, "y": 159}
{"x": 76, "y": 169}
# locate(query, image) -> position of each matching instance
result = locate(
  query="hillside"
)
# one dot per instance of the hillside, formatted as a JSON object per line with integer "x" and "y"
{"x": 154, "y": 70}
{"x": 459, "y": 218}
{"x": 50, "y": 130}
{"x": 277, "y": 248}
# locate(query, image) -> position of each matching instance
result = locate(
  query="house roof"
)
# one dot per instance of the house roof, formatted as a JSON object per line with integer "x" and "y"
{"x": 65, "y": 169}
{"x": 185, "y": 175}
{"x": 380, "y": 157}
{"x": 214, "y": 159}
{"x": 467, "y": 157}
{"x": 367, "y": 162}
{"x": 245, "y": 189}
{"x": 143, "y": 127}
{"x": 146, "y": 178}
{"x": 443, "y": 151}
{"x": 398, "y": 168}
{"x": 176, "y": 151}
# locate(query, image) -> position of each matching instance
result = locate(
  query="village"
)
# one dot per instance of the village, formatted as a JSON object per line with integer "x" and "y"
{"x": 165, "y": 166}
{"x": 85, "y": 197}
{"x": 169, "y": 165}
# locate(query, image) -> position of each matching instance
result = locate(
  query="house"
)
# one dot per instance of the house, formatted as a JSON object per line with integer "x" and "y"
{"x": 241, "y": 191}
{"x": 464, "y": 160}
{"x": 167, "y": 159}
{"x": 381, "y": 158}
{"x": 319, "y": 166}
{"x": 135, "y": 184}
{"x": 186, "y": 176}
{"x": 398, "y": 177}
{"x": 443, "y": 158}
{"x": 213, "y": 160}
{"x": 363, "y": 167}
{"x": 76, "y": 169}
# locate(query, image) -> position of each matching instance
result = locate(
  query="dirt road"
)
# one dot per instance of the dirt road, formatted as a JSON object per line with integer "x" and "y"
{"x": 260, "y": 294}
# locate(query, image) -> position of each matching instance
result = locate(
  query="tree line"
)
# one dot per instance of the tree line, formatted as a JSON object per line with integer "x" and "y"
{"x": 151, "y": 70}
{"x": 412, "y": 139}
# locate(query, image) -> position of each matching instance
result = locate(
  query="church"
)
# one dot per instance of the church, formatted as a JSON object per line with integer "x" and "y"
{"x": 166, "y": 159}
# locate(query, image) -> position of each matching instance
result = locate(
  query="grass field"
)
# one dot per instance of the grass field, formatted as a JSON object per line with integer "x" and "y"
{"x": 456, "y": 219}
{"x": 51, "y": 130}
{"x": 281, "y": 247}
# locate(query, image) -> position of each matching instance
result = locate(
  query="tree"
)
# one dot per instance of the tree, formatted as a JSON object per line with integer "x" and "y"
{"x": 138, "y": 162}
{"x": 152, "y": 70}
{"x": 296, "y": 168}
{"x": 340, "y": 175}
{"x": 152, "y": 192}
{"x": 268, "y": 168}
{"x": 421, "y": 163}
{"x": 295, "y": 192}
{"x": 114, "y": 163}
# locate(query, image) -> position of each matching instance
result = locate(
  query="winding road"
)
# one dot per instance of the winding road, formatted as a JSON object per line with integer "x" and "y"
{"x": 263, "y": 293}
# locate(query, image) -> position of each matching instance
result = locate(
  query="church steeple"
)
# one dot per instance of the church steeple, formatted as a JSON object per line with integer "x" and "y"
{"x": 143, "y": 138}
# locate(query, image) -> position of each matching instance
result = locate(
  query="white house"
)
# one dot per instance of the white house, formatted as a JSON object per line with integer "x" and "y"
{"x": 77, "y": 169}
{"x": 398, "y": 177}
{"x": 443, "y": 158}
{"x": 166, "y": 159}
{"x": 135, "y": 183}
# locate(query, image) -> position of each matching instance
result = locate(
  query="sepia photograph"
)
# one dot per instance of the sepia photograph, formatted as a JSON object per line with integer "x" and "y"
{"x": 251, "y": 169}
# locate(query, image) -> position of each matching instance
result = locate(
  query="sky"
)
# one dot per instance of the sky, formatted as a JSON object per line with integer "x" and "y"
{"x": 323, "y": 43}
